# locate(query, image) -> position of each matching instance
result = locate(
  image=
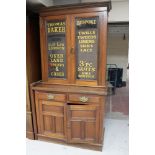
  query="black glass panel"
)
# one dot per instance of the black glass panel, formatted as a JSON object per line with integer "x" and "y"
{"x": 86, "y": 48}
{"x": 56, "y": 45}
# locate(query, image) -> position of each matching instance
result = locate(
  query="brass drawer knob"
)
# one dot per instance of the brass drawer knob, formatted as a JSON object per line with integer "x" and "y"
{"x": 83, "y": 99}
{"x": 50, "y": 96}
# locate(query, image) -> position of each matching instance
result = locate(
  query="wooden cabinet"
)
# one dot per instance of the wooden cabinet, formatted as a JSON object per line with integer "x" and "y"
{"x": 68, "y": 104}
{"x": 74, "y": 118}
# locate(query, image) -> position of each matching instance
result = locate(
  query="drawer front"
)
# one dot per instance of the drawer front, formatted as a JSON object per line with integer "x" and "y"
{"x": 82, "y": 98}
{"x": 51, "y": 96}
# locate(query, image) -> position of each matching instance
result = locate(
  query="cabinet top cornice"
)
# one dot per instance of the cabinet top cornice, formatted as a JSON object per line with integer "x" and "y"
{"x": 106, "y": 3}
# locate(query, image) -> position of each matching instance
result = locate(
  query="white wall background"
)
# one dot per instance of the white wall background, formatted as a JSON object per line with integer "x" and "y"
{"x": 117, "y": 53}
{"x": 120, "y": 11}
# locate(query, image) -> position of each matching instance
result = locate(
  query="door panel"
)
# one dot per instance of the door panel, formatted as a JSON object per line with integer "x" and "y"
{"x": 83, "y": 125}
{"x": 47, "y": 123}
{"x": 90, "y": 134}
{"x": 50, "y": 118}
{"x": 55, "y": 39}
{"x": 85, "y": 42}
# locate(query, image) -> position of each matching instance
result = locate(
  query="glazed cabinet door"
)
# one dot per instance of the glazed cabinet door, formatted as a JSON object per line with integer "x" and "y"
{"x": 50, "y": 115}
{"x": 88, "y": 46}
{"x": 83, "y": 123}
{"x": 55, "y": 48}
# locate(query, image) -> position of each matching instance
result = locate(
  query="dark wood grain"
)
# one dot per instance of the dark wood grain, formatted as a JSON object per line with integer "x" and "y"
{"x": 50, "y": 117}
{"x": 33, "y": 70}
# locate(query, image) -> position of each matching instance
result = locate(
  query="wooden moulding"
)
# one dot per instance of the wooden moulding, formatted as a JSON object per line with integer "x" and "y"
{"x": 29, "y": 125}
{"x": 97, "y": 147}
{"x": 69, "y": 88}
{"x": 33, "y": 110}
{"x": 73, "y": 7}
{"x": 30, "y": 135}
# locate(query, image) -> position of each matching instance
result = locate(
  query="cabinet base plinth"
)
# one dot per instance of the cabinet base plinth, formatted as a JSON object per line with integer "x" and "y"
{"x": 97, "y": 147}
{"x": 30, "y": 135}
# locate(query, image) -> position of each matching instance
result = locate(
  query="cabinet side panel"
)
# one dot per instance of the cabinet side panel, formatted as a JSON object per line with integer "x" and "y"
{"x": 103, "y": 48}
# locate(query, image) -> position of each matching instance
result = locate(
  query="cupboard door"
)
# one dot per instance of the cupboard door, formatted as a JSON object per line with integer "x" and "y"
{"x": 83, "y": 123}
{"x": 89, "y": 48}
{"x": 55, "y": 39}
{"x": 50, "y": 118}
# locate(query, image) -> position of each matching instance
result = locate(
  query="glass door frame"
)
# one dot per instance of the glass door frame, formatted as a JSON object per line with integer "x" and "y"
{"x": 102, "y": 36}
{"x": 44, "y": 50}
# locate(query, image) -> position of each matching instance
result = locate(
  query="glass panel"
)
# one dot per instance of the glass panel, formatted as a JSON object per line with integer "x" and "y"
{"x": 56, "y": 45}
{"x": 86, "y": 48}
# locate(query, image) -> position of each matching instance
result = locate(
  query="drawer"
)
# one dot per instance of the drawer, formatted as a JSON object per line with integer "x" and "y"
{"x": 82, "y": 98}
{"x": 51, "y": 96}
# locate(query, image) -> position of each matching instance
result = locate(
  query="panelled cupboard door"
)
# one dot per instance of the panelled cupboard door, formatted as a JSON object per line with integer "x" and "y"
{"x": 83, "y": 123}
{"x": 50, "y": 117}
{"x": 55, "y": 48}
{"x": 88, "y": 45}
